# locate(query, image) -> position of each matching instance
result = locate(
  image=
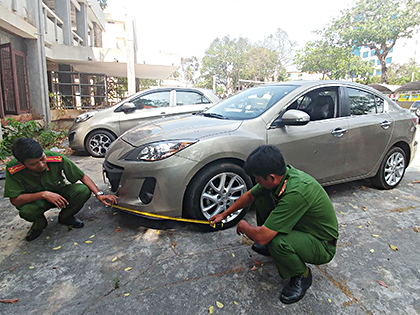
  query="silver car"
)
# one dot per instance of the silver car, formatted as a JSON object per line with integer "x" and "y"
{"x": 191, "y": 166}
{"x": 95, "y": 130}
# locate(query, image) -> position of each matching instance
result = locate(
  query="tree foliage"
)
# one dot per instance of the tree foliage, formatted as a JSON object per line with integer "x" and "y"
{"x": 103, "y": 4}
{"x": 280, "y": 42}
{"x": 189, "y": 69}
{"x": 377, "y": 24}
{"x": 400, "y": 74}
{"x": 231, "y": 61}
{"x": 332, "y": 62}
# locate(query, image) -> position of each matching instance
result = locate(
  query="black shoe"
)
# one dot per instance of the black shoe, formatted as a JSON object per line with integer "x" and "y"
{"x": 76, "y": 223}
{"x": 296, "y": 288}
{"x": 33, "y": 234}
{"x": 261, "y": 249}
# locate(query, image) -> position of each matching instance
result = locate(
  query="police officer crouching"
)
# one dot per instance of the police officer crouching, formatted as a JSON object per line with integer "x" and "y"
{"x": 35, "y": 184}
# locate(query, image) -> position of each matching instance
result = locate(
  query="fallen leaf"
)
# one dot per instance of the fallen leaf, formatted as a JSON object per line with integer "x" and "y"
{"x": 117, "y": 230}
{"x": 173, "y": 244}
{"x": 343, "y": 225}
{"x": 364, "y": 208}
{"x": 257, "y": 262}
{"x": 382, "y": 283}
{"x": 157, "y": 232}
{"x": 31, "y": 267}
{"x": 234, "y": 302}
{"x": 75, "y": 243}
{"x": 329, "y": 300}
{"x": 359, "y": 227}
{"x": 10, "y": 301}
{"x": 47, "y": 238}
{"x": 92, "y": 236}
{"x": 115, "y": 213}
{"x": 416, "y": 229}
{"x": 114, "y": 259}
{"x": 372, "y": 250}
{"x": 211, "y": 309}
{"x": 128, "y": 269}
{"x": 415, "y": 181}
{"x": 363, "y": 187}
{"x": 368, "y": 222}
{"x": 126, "y": 294}
{"x": 253, "y": 268}
{"x": 375, "y": 235}
{"x": 341, "y": 212}
{"x": 58, "y": 247}
{"x": 233, "y": 255}
{"x": 219, "y": 305}
{"x": 395, "y": 248}
{"x": 88, "y": 242}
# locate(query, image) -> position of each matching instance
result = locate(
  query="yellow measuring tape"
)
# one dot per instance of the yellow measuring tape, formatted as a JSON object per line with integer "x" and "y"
{"x": 148, "y": 214}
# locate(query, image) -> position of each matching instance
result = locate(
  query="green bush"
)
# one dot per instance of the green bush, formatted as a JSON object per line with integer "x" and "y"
{"x": 13, "y": 130}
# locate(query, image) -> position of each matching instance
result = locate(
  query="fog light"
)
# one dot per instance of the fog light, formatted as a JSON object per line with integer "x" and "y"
{"x": 147, "y": 190}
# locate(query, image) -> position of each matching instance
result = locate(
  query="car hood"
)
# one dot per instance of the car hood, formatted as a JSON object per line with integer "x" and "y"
{"x": 179, "y": 127}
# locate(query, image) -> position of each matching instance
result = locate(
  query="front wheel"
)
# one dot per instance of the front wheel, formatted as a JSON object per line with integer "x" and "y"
{"x": 98, "y": 142}
{"x": 214, "y": 189}
{"x": 392, "y": 169}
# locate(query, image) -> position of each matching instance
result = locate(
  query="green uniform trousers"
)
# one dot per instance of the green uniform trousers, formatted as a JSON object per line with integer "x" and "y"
{"x": 291, "y": 251}
{"x": 75, "y": 194}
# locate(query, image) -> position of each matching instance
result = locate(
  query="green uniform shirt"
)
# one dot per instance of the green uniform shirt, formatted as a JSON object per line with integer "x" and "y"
{"x": 302, "y": 204}
{"x": 20, "y": 180}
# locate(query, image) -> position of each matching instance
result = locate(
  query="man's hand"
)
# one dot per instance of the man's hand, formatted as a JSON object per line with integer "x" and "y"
{"x": 240, "y": 227}
{"x": 59, "y": 201}
{"x": 217, "y": 218}
{"x": 107, "y": 200}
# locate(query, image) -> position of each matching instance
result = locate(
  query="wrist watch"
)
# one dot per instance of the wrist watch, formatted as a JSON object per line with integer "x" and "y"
{"x": 99, "y": 193}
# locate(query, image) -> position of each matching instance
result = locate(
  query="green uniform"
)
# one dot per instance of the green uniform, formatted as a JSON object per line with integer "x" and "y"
{"x": 301, "y": 212}
{"x": 59, "y": 177}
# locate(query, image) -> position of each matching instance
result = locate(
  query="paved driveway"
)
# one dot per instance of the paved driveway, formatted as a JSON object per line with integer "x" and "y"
{"x": 123, "y": 264}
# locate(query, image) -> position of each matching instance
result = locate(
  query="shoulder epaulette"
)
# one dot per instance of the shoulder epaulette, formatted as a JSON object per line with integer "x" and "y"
{"x": 14, "y": 169}
{"x": 57, "y": 158}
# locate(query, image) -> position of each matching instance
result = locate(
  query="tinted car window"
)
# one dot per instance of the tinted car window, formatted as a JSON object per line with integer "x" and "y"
{"x": 190, "y": 98}
{"x": 250, "y": 103}
{"x": 361, "y": 102}
{"x": 380, "y": 104}
{"x": 152, "y": 100}
{"x": 318, "y": 104}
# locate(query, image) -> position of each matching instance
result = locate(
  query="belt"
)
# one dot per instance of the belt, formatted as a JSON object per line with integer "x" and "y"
{"x": 332, "y": 242}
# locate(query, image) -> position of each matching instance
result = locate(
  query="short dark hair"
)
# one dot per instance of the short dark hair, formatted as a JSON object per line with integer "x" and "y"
{"x": 265, "y": 160}
{"x": 26, "y": 148}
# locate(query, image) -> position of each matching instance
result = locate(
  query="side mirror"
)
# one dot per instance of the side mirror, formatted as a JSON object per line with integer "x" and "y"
{"x": 292, "y": 117}
{"x": 128, "y": 107}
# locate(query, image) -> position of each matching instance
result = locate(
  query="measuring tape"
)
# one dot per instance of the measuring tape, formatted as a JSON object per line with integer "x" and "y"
{"x": 148, "y": 214}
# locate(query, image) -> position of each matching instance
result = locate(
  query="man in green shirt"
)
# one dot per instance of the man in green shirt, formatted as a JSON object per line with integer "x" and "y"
{"x": 296, "y": 221}
{"x": 35, "y": 183}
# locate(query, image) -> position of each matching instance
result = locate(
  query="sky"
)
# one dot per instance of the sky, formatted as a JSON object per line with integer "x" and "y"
{"x": 188, "y": 27}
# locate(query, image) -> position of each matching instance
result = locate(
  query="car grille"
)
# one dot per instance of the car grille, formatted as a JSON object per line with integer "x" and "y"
{"x": 113, "y": 173}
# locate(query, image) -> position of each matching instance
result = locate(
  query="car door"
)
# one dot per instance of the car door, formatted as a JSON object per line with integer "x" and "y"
{"x": 319, "y": 147}
{"x": 370, "y": 131}
{"x": 188, "y": 101}
{"x": 149, "y": 106}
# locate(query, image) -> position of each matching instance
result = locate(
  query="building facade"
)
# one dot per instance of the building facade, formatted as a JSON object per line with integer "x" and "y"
{"x": 58, "y": 53}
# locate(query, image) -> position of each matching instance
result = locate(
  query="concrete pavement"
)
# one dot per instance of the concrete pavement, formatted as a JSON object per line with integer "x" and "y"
{"x": 123, "y": 264}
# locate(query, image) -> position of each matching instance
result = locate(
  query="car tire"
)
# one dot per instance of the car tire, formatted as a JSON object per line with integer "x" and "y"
{"x": 392, "y": 169}
{"x": 214, "y": 189}
{"x": 418, "y": 112}
{"x": 98, "y": 142}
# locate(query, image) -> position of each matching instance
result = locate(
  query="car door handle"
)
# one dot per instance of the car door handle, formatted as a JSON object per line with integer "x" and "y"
{"x": 338, "y": 132}
{"x": 163, "y": 113}
{"x": 386, "y": 124}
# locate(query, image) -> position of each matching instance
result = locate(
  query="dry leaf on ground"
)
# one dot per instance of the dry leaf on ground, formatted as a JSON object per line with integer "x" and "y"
{"x": 395, "y": 248}
{"x": 10, "y": 301}
{"x": 382, "y": 283}
{"x": 219, "y": 305}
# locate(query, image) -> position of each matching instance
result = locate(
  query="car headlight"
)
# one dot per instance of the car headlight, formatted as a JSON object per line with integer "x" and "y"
{"x": 158, "y": 150}
{"x": 85, "y": 116}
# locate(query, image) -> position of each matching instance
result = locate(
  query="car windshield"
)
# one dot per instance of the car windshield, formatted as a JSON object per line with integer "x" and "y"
{"x": 249, "y": 103}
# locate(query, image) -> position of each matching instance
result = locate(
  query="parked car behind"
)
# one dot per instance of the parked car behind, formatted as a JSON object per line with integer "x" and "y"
{"x": 191, "y": 166}
{"x": 94, "y": 131}
{"x": 415, "y": 108}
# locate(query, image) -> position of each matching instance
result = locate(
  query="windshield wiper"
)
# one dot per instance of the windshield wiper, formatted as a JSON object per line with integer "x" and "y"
{"x": 214, "y": 115}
